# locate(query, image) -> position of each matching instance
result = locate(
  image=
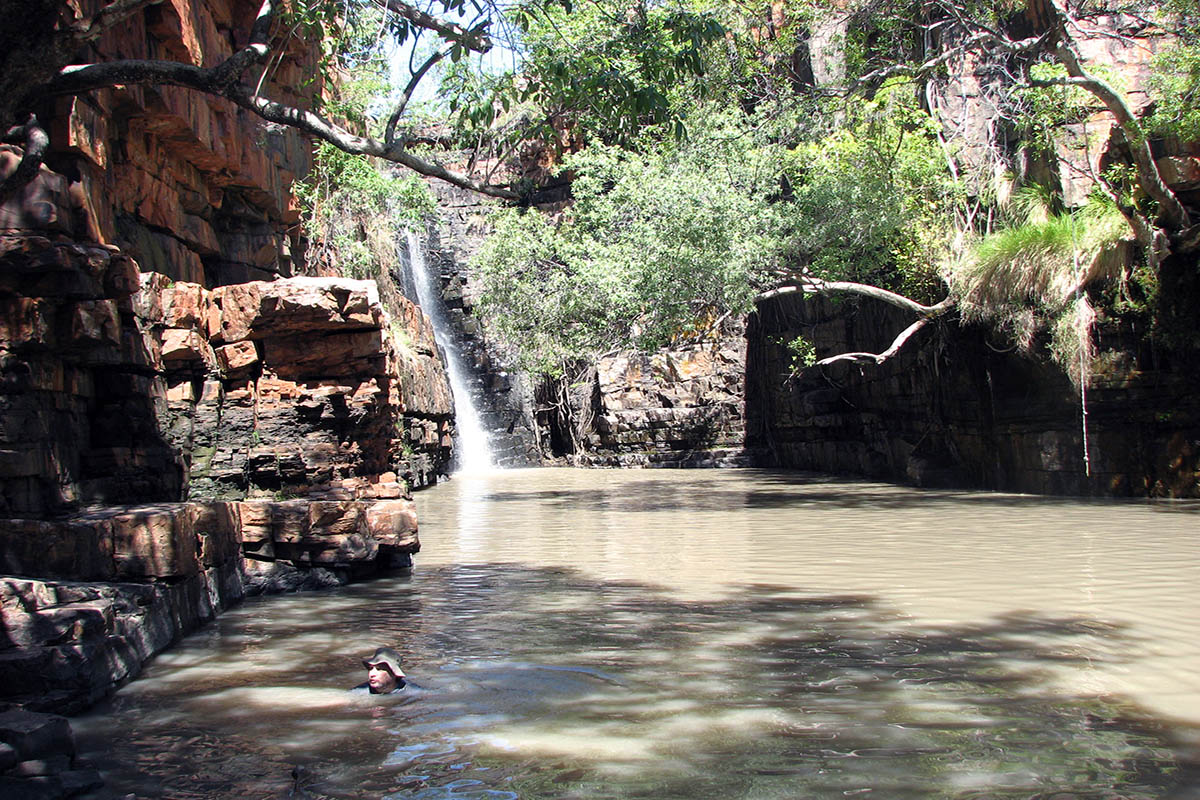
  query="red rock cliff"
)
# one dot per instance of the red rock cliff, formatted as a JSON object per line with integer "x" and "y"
{"x": 187, "y": 184}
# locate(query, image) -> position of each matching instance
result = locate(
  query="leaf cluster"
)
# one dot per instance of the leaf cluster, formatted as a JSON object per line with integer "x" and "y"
{"x": 605, "y": 69}
{"x": 680, "y": 231}
{"x": 871, "y": 197}
{"x": 350, "y": 210}
{"x": 655, "y": 244}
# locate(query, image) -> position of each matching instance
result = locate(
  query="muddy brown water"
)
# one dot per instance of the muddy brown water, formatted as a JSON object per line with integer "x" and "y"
{"x": 703, "y": 634}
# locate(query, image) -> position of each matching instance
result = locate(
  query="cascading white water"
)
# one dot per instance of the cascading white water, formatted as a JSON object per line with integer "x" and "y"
{"x": 472, "y": 451}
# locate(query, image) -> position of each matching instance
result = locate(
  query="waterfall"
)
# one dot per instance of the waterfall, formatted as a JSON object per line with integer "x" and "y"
{"x": 472, "y": 452}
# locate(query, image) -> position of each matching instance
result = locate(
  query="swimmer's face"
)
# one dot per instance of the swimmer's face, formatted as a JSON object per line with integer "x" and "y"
{"x": 380, "y": 679}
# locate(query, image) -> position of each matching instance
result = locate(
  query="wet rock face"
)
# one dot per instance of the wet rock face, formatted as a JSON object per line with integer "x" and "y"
{"x": 674, "y": 408}
{"x": 37, "y": 758}
{"x": 153, "y": 573}
{"x": 297, "y": 386}
{"x": 502, "y": 395}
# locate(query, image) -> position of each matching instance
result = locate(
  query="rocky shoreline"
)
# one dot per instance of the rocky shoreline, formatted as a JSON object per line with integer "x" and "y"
{"x": 130, "y": 581}
{"x": 166, "y": 450}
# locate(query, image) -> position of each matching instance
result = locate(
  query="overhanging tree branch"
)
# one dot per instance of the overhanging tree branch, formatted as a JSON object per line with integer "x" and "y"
{"x": 476, "y": 40}
{"x": 320, "y": 127}
{"x": 225, "y": 79}
{"x": 812, "y": 285}
{"x": 878, "y": 358}
{"x": 389, "y": 135}
{"x": 925, "y": 313}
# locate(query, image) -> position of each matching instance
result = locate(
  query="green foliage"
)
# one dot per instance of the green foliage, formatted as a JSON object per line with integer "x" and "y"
{"x": 351, "y": 209}
{"x": 871, "y": 199}
{"x": 1030, "y": 277}
{"x": 655, "y": 247}
{"x": 803, "y": 353}
{"x": 661, "y": 241}
{"x": 605, "y": 71}
{"x": 611, "y": 67}
{"x": 1175, "y": 88}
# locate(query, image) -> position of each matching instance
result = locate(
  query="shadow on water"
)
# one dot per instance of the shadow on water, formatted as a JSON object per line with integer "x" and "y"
{"x": 542, "y": 683}
{"x": 798, "y": 490}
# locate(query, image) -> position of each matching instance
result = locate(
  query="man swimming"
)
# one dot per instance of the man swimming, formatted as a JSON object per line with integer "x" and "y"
{"x": 384, "y": 675}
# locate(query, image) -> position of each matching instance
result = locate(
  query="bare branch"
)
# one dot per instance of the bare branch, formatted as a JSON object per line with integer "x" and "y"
{"x": 79, "y": 78}
{"x": 476, "y": 40}
{"x": 389, "y": 135}
{"x": 224, "y": 80}
{"x": 811, "y": 285}
{"x": 318, "y": 126}
{"x": 260, "y": 32}
{"x": 879, "y": 358}
{"x": 925, "y": 314}
{"x": 108, "y": 17}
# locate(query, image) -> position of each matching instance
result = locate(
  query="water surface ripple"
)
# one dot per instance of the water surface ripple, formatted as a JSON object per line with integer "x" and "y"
{"x": 731, "y": 634}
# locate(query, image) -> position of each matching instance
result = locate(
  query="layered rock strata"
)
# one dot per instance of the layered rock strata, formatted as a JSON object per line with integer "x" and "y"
{"x": 120, "y": 584}
{"x": 117, "y": 387}
{"x": 953, "y": 411}
{"x": 298, "y": 386}
{"x": 186, "y": 183}
{"x": 292, "y": 413}
{"x": 679, "y": 407}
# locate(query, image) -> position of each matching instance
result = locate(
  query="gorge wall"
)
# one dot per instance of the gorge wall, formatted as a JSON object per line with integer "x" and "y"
{"x": 187, "y": 184}
{"x": 678, "y": 407}
{"x": 955, "y": 410}
{"x": 182, "y": 422}
{"x": 166, "y": 449}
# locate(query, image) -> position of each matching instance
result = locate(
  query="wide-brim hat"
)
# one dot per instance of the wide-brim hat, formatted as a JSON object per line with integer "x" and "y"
{"x": 388, "y": 658}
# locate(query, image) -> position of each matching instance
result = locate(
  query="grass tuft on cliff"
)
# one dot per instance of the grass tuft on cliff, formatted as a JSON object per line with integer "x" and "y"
{"x": 1031, "y": 278}
{"x": 1043, "y": 262}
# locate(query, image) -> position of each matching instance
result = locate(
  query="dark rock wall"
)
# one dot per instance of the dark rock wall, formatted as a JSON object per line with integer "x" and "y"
{"x": 503, "y": 395}
{"x": 80, "y": 403}
{"x": 954, "y": 410}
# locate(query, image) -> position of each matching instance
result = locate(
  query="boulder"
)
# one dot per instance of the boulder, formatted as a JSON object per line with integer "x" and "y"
{"x": 35, "y": 735}
{"x": 261, "y": 309}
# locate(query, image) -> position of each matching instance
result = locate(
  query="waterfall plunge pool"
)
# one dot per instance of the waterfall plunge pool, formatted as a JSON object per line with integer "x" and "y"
{"x": 703, "y": 634}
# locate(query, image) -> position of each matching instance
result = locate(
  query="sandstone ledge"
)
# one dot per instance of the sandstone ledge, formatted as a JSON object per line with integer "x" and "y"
{"x": 91, "y": 597}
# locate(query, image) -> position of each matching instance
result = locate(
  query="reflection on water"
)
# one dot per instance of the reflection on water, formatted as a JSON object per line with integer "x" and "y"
{"x": 597, "y": 634}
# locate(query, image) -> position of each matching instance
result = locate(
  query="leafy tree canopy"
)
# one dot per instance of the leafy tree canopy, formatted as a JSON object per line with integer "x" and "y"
{"x": 808, "y": 158}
